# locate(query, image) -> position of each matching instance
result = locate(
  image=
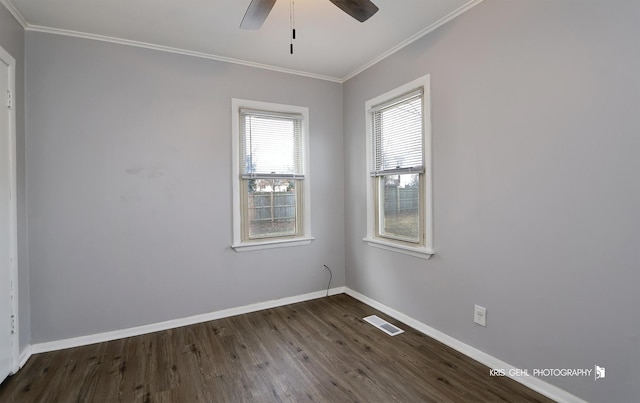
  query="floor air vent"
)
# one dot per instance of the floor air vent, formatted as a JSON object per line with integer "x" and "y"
{"x": 383, "y": 325}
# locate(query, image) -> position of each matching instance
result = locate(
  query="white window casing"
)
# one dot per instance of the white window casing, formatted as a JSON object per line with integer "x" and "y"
{"x": 270, "y": 145}
{"x": 398, "y": 142}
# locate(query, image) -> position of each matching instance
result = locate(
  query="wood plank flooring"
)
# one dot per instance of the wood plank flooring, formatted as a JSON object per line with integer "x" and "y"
{"x": 314, "y": 351}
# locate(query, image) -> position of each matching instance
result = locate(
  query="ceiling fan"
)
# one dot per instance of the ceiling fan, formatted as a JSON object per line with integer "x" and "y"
{"x": 258, "y": 11}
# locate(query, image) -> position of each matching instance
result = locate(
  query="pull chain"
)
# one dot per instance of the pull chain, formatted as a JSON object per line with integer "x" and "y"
{"x": 292, "y": 23}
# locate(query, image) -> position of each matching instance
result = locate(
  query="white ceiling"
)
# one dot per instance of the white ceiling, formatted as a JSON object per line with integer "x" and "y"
{"x": 329, "y": 44}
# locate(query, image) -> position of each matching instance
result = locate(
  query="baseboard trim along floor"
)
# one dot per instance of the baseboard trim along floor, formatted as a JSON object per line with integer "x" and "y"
{"x": 536, "y": 384}
{"x": 533, "y": 383}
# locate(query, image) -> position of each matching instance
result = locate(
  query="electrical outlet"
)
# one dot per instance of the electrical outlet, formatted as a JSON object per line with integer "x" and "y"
{"x": 480, "y": 315}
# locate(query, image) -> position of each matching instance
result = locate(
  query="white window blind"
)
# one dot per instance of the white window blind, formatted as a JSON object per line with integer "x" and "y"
{"x": 398, "y": 136}
{"x": 270, "y": 145}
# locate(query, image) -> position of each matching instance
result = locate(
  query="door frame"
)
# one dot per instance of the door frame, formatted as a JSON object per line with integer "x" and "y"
{"x": 8, "y": 60}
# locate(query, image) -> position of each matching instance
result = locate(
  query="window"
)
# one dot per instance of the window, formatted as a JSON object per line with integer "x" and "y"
{"x": 270, "y": 175}
{"x": 399, "y": 170}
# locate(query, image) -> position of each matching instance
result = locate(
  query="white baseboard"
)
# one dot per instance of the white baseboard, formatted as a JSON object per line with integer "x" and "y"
{"x": 540, "y": 386}
{"x": 536, "y": 384}
{"x": 24, "y": 356}
{"x": 170, "y": 324}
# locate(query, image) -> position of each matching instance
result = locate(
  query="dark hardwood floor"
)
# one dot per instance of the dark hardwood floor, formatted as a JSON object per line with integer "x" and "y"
{"x": 317, "y": 350}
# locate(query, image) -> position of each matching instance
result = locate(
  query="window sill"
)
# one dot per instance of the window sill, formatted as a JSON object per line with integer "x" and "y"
{"x": 280, "y": 243}
{"x": 415, "y": 251}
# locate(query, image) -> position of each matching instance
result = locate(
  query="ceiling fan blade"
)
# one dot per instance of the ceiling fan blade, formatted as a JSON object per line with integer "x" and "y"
{"x": 256, "y": 14}
{"x": 361, "y": 10}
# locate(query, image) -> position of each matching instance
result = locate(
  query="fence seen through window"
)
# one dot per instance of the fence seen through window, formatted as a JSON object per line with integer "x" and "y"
{"x": 401, "y": 212}
{"x": 271, "y": 207}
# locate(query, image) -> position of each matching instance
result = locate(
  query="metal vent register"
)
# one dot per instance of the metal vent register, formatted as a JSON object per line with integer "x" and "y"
{"x": 383, "y": 325}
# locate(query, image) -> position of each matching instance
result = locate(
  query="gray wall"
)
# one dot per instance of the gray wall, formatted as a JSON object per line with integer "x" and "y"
{"x": 12, "y": 40}
{"x": 536, "y": 133}
{"x": 535, "y": 136}
{"x": 129, "y": 181}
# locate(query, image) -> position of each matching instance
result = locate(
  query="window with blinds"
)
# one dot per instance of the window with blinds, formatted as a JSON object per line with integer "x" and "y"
{"x": 398, "y": 136}
{"x": 270, "y": 145}
{"x": 398, "y": 162}
{"x": 270, "y": 167}
{"x": 399, "y": 188}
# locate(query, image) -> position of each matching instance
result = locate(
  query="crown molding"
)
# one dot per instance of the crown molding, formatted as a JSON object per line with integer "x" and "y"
{"x": 202, "y": 55}
{"x": 103, "y": 38}
{"x": 415, "y": 37}
{"x": 16, "y": 14}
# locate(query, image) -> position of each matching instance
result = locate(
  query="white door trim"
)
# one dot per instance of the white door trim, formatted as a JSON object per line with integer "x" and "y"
{"x": 7, "y": 59}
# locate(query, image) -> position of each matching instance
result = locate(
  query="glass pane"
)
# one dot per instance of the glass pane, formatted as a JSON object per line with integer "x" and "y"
{"x": 398, "y": 135}
{"x": 271, "y": 207}
{"x": 400, "y": 198}
{"x": 270, "y": 144}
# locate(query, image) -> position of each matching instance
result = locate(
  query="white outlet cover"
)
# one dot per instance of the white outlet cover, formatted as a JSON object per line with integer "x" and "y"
{"x": 480, "y": 315}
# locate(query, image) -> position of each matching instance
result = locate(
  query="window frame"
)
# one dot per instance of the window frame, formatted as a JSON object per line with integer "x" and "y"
{"x": 239, "y": 197}
{"x": 424, "y": 248}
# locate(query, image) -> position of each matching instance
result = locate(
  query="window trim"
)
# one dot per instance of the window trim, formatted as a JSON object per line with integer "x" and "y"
{"x": 424, "y": 251}
{"x": 304, "y": 238}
